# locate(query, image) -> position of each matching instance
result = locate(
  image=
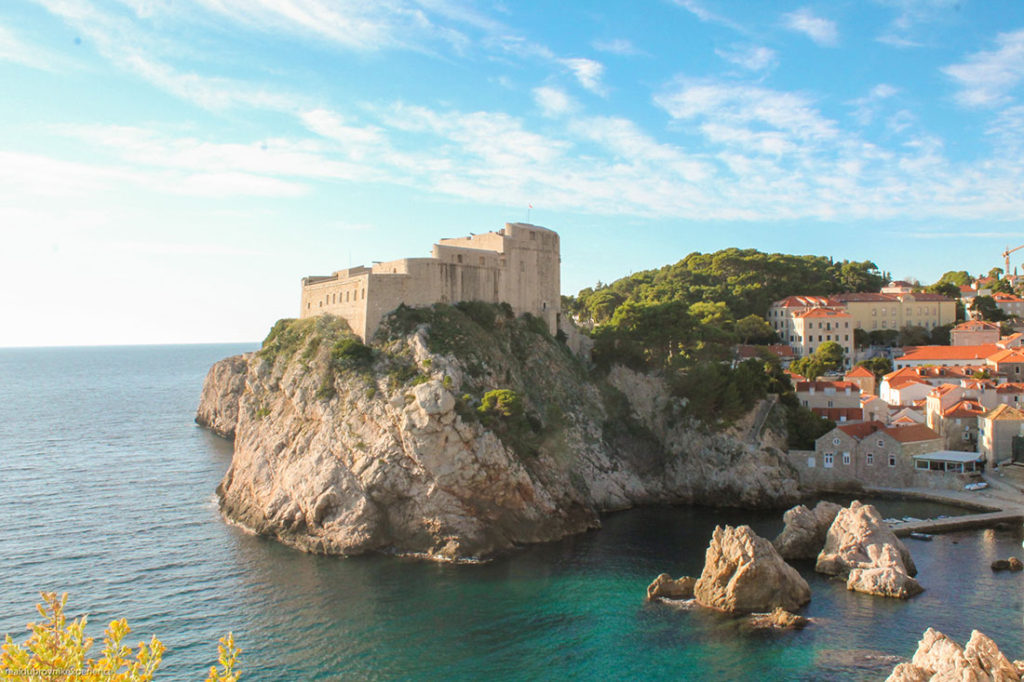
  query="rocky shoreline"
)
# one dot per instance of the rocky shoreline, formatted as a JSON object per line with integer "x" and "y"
{"x": 344, "y": 449}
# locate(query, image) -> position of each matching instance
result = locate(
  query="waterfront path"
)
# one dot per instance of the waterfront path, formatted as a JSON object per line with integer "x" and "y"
{"x": 1001, "y": 503}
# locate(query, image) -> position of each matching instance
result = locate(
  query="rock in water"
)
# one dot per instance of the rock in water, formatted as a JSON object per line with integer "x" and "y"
{"x": 862, "y": 547}
{"x": 939, "y": 658}
{"x": 664, "y": 587}
{"x": 805, "y": 531}
{"x": 779, "y": 619}
{"x": 743, "y": 573}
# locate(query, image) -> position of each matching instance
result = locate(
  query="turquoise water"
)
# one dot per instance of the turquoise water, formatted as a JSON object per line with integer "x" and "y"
{"x": 107, "y": 493}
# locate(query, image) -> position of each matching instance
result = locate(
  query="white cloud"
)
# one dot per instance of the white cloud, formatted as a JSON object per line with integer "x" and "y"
{"x": 750, "y": 57}
{"x": 588, "y": 72}
{"x": 822, "y": 31}
{"x": 745, "y": 105}
{"x": 867, "y": 108}
{"x": 14, "y": 49}
{"x": 986, "y": 78}
{"x": 552, "y": 101}
{"x": 619, "y": 46}
{"x": 698, "y": 10}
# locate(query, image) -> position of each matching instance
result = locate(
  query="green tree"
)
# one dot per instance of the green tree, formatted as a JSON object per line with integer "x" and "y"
{"x": 958, "y": 278}
{"x": 1001, "y": 286}
{"x": 804, "y": 427}
{"x": 830, "y": 354}
{"x": 939, "y": 336}
{"x": 878, "y": 365}
{"x": 947, "y": 289}
{"x": 914, "y": 336}
{"x": 985, "y": 307}
{"x": 754, "y": 329}
{"x": 995, "y": 273}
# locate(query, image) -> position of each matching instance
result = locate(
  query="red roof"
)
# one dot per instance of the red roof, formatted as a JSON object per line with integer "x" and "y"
{"x": 1010, "y": 355}
{"x": 859, "y": 297}
{"x": 1010, "y": 387}
{"x": 860, "y": 371}
{"x": 924, "y": 297}
{"x": 822, "y": 385}
{"x": 925, "y": 353}
{"x": 1000, "y": 297}
{"x": 801, "y": 302}
{"x": 964, "y": 409}
{"x": 904, "y": 434}
{"x": 822, "y": 312}
{"x": 976, "y": 326}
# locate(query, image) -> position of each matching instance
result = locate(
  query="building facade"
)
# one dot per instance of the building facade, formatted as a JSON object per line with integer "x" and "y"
{"x": 519, "y": 265}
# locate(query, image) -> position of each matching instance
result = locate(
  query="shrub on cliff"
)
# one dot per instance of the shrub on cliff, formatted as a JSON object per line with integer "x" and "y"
{"x": 350, "y": 353}
{"x": 57, "y": 650}
{"x": 501, "y": 402}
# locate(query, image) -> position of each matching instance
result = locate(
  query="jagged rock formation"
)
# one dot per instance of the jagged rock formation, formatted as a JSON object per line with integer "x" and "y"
{"x": 342, "y": 448}
{"x": 939, "y": 658}
{"x": 805, "y": 531}
{"x": 743, "y": 573}
{"x": 664, "y": 587}
{"x": 862, "y": 547}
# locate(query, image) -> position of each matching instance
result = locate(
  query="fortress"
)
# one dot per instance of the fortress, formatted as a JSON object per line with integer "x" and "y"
{"x": 518, "y": 265}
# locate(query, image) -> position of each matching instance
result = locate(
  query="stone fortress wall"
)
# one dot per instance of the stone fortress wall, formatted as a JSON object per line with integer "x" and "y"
{"x": 519, "y": 265}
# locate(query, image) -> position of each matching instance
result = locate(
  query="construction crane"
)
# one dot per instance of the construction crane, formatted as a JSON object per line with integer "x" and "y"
{"x": 1006, "y": 255}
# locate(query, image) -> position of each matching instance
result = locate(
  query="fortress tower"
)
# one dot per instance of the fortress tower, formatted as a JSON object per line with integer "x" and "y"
{"x": 519, "y": 265}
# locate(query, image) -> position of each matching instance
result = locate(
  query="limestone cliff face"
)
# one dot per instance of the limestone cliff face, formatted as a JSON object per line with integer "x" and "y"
{"x": 344, "y": 450}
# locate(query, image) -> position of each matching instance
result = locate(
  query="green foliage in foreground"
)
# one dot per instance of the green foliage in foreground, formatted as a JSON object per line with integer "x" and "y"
{"x": 58, "y": 650}
{"x": 828, "y": 357}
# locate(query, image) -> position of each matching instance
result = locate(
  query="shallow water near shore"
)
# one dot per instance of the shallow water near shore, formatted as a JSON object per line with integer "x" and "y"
{"x": 107, "y": 489}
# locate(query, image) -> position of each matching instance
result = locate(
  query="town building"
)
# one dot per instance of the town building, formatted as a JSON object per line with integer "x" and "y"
{"x": 997, "y": 431}
{"x": 1008, "y": 363}
{"x": 867, "y": 454}
{"x": 952, "y": 411}
{"x": 974, "y": 333}
{"x": 1010, "y": 304}
{"x": 918, "y": 356}
{"x": 813, "y": 327}
{"x": 863, "y": 377}
{"x": 518, "y": 265}
{"x": 835, "y": 400}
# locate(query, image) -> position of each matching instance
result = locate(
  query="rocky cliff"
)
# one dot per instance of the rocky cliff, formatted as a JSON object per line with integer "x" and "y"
{"x": 460, "y": 433}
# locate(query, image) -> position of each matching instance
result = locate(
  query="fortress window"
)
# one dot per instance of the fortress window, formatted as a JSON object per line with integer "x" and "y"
{"x": 346, "y": 297}
{"x": 364, "y": 294}
{"x": 481, "y": 260}
{"x": 533, "y": 236}
{"x": 458, "y": 258}
{"x": 308, "y": 305}
{"x": 522, "y": 266}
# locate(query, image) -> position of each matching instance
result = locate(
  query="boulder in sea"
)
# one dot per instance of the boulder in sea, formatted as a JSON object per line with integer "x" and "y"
{"x": 805, "y": 531}
{"x": 779, "y": 619}
{"x": 1000, "y": 565}
{"x": 940, "y": 658}
{"x": 743, "y": 573}
{"x": 664, "y": 587}
{"x": 861, "y": 546}
{"x": 1015, "y": 564}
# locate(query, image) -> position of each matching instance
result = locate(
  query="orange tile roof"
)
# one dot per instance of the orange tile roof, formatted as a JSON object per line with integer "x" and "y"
{"x": 1005, "y": 413}
{"x": 862, "y": 297}
{"x": 801, "y": 302}
{"x": 1000, "y": 297}
{"x": 904, "y": 420}
{"x": 862, "y": 430}
{"x": 902, "y": 382}
{"x": 1010, "y": 355}
{"x": 925, "y": 297}
{"x": 925, "y": 353}
{"x": 822, "y": 385}
{"x": 912, "y": 434}
{"x": 860, "y": 371}
{"x": 1010, "y": 387}
{"x": 976, "y": 326}
{"x": 822, "y": 312}
{"x": 964, "y": 408}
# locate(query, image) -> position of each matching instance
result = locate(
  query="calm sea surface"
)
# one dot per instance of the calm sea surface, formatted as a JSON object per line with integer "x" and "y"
{"x": 107, "y": 492}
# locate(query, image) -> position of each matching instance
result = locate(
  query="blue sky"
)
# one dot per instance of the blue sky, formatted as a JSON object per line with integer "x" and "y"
{"x": 170, "y": 169}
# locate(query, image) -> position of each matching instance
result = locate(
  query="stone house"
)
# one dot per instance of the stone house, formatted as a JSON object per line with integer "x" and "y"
{"x": 1008, "y": 363}
{"x": 866, "y": 454}
{"x": 996, "y": 431}
{"x": 863, "y": 377}
{"x": 918, "y": 356}
{"x": 952, "y": 411}
{"x": 974, "y": 333}
{"x": 835, "y": 400}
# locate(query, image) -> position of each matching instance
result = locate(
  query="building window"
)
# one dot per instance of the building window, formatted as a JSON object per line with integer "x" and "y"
{"x": 828, "y": 460}
{"x": 831, "y": 405}
{"x": 870, "y": 459}
{"x": 810, "y": 462}
{"x": 881, "y": 442}
{"x": 481, "y": 260}
{"x": 346, "y": 296}
{"x": 892, "y": 460}
{"x": 846, "y": 458}
{"x": 835, "y": 441}
{"x": 364, "y": 294}
{"x": 458, "y": 258}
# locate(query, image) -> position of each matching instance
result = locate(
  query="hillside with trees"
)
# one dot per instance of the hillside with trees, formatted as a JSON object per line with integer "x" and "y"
{"x": 686, "y": 319}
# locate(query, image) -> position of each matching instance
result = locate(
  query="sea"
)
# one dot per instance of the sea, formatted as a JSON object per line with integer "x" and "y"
{"x": 107, "y": 493}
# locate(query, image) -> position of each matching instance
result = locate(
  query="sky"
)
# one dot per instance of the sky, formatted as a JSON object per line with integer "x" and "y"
{"x": 171, "y": 169}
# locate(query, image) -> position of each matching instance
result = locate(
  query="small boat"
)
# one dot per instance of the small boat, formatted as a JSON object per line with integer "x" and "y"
{"x": 912, "y": 519}
{"x": 891, "y": 521}
{"x": 921, "y": 536}
{"x": 980, "y": 485}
